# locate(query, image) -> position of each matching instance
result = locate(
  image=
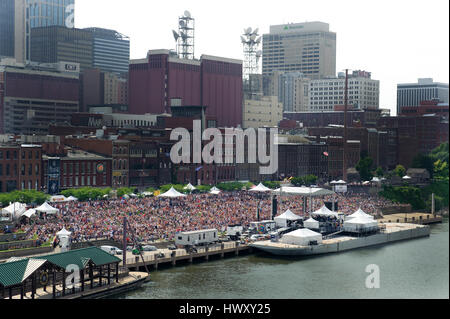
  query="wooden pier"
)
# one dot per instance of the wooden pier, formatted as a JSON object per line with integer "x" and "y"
{"x": 412, "y": 218}
{"x": 174, "y": 257}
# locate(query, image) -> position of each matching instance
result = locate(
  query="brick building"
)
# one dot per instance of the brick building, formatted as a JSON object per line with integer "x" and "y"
{"x": 20, "y": 167}
{"x": 213, "y": 82}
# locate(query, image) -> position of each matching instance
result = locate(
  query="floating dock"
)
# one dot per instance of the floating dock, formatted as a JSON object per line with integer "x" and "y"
{"x": 392, "y": 233}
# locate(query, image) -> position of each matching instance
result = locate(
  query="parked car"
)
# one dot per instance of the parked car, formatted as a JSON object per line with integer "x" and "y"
{"x": 112, "y": 250}
{"x": 149, "y": 248}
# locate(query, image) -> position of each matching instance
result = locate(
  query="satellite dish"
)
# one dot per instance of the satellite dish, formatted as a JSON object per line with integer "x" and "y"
{"x": 256, "y": 31}
{"x": 175, "y": 35}
{"x": 249, "y": 30}
{"x": 182, "y": 23}
{"x": 253, "y": 37}
{"x": 258, "y": 40}
{"x": 183, "y": 35}
{"x": 245, "y": 31}
{"x": 187, "y": 14}
{"x": 243, "y": 39}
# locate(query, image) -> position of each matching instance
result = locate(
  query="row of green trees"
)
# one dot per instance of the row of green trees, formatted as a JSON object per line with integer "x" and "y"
{"x": 307, "y": 180}
{"x": 25, "y": 196}
{"x": 420, "y": 198}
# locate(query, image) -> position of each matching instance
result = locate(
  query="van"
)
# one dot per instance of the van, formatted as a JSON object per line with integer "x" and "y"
{"x": 112, "y": 250}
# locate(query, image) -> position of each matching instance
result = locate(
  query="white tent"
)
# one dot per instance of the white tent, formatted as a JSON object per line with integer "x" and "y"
{"x": 282, "y": 220}
{"x": 58, "y": 198}
{"x": 133, "y": 195}
{"x": 366, "y": 183}
{"x": 406, "y": 177}
{"x": 63, "y": 232}
{"x": 215, "y": 192}
{"x": 311, "y": 223}
{"x": 46, "y": 208}
{"x": 339, "y": 182}
{"x": 215, "y": 189}
{"x": 260, "y": 188}
{"x": 190, "y": 187}
{"x": 172, "y": 193}
{"x": 301, "y": 237}
{"x": 376, "y": 180}
{"x": 359, "y": 213}
{"x": 29, "y": 213}
{"x": 71, "y": 199}
{"x": 14, "y": 210}
{"x": 324, "y": 211}
{"x": 360, "y": 224}
{"x": 302, "y": 191}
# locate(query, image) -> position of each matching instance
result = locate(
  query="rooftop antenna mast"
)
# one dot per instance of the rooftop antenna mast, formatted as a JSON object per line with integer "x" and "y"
{"x": 185, "y": 37}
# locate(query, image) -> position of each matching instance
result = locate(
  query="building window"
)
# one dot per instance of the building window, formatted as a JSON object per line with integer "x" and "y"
{"x": 23, "y": 170}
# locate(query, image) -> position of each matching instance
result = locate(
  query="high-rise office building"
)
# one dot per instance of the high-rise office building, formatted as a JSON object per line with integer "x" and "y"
{"x": 14, "y": 33}
{"x": 55, "y": 44}
{"x": 307, "y": 47}
{"x": 7, "y": 28}
{"x": 293, "y": 91}
{"x": 111, "y": 50}
{"x": 46, "y": 13}
{"x": 412, "y": 94}
{"x": 326, "y": 94}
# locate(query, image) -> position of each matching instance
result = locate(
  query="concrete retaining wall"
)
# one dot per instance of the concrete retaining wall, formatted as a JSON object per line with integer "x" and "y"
{"x": 12, "y": 237}
{"x": 25, "y": 252}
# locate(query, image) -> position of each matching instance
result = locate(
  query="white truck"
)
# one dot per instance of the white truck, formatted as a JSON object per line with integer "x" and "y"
{"x": 234, "y": 232}
{"x": 196, "y": 238}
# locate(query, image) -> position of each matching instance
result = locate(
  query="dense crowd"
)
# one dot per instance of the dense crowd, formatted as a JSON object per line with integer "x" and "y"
{"x": 159, "y": 218}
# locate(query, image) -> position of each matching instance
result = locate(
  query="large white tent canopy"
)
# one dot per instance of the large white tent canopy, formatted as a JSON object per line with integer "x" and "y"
{"x": 29, "y": 213}
{"x": 14, "y": 210}
{"x": 359, "y": 213}
{"x": 341, "y": 182}
{"x": 301, "y": 237}
{"x": 172, "y": 193}
{"x": 190, "y": 187}
{"x": 359, "y": 224}
{"x": 324, "y": 211}
{"x": 302, "y": 191}
{"x": 311, "y": 223}
{"x": 63, "y": 232}
{"x": 46, "y": 208}
{"x": 283, "y": 219}
{"x": 260, "y": 188}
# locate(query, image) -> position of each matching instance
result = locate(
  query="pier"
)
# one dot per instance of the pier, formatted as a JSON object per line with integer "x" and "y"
{"x": 412, "y": 218}
{"x": 174, "y": 257}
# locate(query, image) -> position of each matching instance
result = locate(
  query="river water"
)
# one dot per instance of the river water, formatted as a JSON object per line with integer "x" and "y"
{"x": 417, "y": 268}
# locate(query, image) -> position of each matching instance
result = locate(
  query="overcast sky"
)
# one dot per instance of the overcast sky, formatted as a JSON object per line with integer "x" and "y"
{"x": 397, "y": 40}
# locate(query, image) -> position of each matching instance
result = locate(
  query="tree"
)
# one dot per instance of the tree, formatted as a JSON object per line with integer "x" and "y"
{"x": 379, "y": 172}
{"x": 364, "y": 167}
{"x": 400, "y": 170}
{"x": 423, "y": 161}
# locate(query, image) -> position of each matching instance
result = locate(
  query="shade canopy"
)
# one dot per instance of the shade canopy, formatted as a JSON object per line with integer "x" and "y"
{"x": 71, "y": 199}
{"x": 29, "y": 213}
{"x": 407, "y": 177}
{"x": 215, "y": 189}
{"x": 260, "y": 188}
{"x": 339, "y": 182}
{"x": 301, "y": 237}
{"x": 311, "y": 223}
{"x": 376, "y": 180}
{"x": 325, "y": 212}
{"x": 288, "y": 216}
{"x": 190, "y": 187}
{"x": 58, "y": 198}
{"x": 359, "y": 213}
{"x": 360, "y": 224}
{"x": 172, "y": 193}
{"x": 303, "y": 191}
{"x": 15, "y": 210}
{"x": 46, "y": 208}
{"x": 63, "y": 232}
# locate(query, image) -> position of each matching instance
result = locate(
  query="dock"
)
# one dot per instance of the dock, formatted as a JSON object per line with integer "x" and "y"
{"x": 174, "y": 257}
{"x": 412, "y": 218}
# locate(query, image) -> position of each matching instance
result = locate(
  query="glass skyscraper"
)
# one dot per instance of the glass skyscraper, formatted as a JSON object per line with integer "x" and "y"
{"x": 111, "y": 50}
{"x": 7, "y": 28}
{"x": 46, "y": 13}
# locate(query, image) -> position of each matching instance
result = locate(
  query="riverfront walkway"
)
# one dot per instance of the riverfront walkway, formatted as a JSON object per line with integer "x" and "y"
{"x": 411, "y": 218}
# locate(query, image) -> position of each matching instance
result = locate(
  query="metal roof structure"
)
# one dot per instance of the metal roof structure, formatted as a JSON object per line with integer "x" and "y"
{"x": 15, "y": 272}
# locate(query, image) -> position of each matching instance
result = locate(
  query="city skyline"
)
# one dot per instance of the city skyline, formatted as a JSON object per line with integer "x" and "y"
{"x": 363, "y": 42}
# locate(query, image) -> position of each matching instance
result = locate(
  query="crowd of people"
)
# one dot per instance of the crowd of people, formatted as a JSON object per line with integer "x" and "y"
{"x": 159, "y": 218}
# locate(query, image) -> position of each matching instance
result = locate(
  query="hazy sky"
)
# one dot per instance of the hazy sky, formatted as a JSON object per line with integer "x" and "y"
{"x": 397, "y": 40}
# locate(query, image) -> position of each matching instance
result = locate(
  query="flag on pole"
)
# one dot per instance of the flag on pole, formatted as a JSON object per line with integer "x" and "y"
{"x": 326, "y": 154}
